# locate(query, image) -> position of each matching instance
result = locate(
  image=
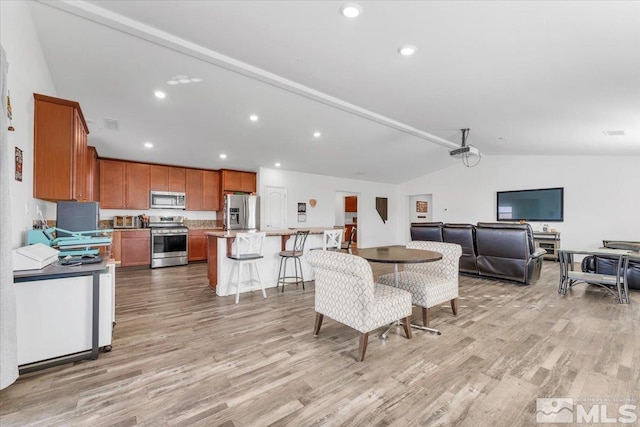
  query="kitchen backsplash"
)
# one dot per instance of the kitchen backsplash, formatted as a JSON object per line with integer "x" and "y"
{"x": 108, "y": 223}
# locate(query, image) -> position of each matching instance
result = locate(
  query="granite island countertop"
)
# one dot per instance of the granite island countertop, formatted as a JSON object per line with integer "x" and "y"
{"x": 224, "y": 234}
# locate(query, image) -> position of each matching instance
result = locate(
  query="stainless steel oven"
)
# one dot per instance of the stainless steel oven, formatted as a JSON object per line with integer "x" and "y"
{"x": 169, "y": 241}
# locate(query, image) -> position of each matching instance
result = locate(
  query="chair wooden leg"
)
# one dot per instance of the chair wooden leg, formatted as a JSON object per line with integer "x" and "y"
{"x": 425, "y": 316}
{"x": 407, "y": 326}
{"x": 454, "y": 306}
{"x": 316, "y": 328}
{"x": 364, "y": 339}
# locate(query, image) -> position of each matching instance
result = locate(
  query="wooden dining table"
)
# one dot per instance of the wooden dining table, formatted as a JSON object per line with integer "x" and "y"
{"x": 400, "y": 255}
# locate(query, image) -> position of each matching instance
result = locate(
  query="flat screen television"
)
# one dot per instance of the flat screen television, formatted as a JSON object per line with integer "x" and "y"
{"x": 544, "y": 204}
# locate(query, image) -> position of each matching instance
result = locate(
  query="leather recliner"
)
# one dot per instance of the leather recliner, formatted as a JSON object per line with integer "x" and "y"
{"x": 607, "y": 265}
{"x": 431, "y": 231}
{"x": 507, "y": 251}
{"x": 465, "y": 236}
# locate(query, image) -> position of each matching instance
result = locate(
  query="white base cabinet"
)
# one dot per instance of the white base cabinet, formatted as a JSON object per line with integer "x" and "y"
{"x": 54, "y": 317}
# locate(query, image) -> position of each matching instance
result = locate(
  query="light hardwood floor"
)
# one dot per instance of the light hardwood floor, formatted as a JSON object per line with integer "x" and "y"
{"x": 183, "y": 356}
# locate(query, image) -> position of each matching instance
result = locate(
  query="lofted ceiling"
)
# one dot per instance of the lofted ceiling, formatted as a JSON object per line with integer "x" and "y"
{"x": 528, "y": 78}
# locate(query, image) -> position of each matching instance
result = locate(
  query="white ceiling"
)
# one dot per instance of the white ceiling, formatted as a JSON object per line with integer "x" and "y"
{"x": 528, "y": 78}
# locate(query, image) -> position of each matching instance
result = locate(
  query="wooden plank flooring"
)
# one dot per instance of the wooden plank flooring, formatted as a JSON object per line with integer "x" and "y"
{"x": 183, "y": 356}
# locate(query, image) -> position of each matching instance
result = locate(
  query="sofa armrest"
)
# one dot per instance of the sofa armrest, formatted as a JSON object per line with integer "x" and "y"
{"x": 538, "y": 253}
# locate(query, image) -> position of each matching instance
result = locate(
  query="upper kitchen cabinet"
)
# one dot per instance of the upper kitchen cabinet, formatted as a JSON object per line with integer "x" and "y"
{"x": 211, "y": 191}
{"x": 124, "y": 185}
{"x": 203, "y": 192}
{"x": 60, "y": 150}
{"x": 238, "y": 181}
{"x": 351, "y": 204}
{"x": 167, "y": 178}
{"x": 93, "y": 175}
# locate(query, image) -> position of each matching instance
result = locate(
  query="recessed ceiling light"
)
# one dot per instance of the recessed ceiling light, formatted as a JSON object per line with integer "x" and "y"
{"x": 317, "y": 134}
{"x": 351, "y": 10}
{"x": 160, "y": 94}
{"x": 407, "y": 50}
{"x": 253, "y": 117}
{"x": 277, "y": 165}
{"x": 148, "y": 145}
{"x": 614, "y": 132}
{"x": 223, "y": 156}
{"x": 182, "y": 79}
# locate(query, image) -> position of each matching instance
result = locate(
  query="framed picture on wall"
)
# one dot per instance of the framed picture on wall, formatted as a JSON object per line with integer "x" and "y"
{"x": 18, "y": 164}
{"x": 422, "y": 207}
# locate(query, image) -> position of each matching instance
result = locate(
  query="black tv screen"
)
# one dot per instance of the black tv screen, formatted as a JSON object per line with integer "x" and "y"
{"x": 545, "y": 204}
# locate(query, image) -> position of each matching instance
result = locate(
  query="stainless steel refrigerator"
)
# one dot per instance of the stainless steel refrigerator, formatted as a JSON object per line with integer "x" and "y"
{"x": 241, "y": 212}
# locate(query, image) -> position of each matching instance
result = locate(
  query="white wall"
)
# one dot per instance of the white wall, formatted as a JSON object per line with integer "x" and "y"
{"x": 600, "y": 198}
{"x": 302, "y": 186}
{"x": 28, "y": 73}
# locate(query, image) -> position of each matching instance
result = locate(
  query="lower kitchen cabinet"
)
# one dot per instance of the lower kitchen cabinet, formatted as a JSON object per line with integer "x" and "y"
{"x": 135, "y": 248}
{"x": 197, "y": 245}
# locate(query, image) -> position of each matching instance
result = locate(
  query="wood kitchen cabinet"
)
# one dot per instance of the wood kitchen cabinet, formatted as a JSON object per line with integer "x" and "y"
{"x": 194, "y": 189}
{"x": 124, "y": 185}
{"x": 93, "y": 175}
{"x": 203, "y": 192}
{"x": 135, "y": 248}
{"x": 197, "y": 245}
{"x": 211, "y": 191}
{"x": 167, "y": 178}
{"x": 351, "y": 204}
{"x": 238, "y": 181}
{"x": 60, "y": 150}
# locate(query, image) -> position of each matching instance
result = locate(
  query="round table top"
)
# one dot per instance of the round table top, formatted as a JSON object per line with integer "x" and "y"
{"x": 398, "y": 255}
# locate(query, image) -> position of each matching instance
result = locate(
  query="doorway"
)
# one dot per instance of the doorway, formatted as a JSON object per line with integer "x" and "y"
{"x": 346, "y": 212}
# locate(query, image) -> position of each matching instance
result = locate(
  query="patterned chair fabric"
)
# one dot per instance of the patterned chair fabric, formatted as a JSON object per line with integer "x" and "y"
{"x": 345, "y": 291}
{"x": 430, "y": 283}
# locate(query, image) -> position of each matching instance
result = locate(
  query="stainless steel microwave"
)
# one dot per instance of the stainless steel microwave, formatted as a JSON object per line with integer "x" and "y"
{"x": 168, "y": 200}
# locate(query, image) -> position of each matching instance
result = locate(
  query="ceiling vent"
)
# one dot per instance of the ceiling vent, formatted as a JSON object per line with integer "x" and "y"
{"x": 614, "y": 132}
{"x": 110, "y": 124}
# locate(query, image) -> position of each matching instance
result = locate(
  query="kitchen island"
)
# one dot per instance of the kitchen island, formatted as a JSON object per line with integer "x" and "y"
{"x": 220, "y": 244}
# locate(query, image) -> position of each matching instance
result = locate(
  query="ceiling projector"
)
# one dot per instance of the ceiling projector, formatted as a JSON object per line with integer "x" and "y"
{"x": 464, "y": 151}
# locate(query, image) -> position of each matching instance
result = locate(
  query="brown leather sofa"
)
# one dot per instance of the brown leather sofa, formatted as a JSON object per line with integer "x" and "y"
{"x": 498, "y": 250}
{"x": 607, "y": 265}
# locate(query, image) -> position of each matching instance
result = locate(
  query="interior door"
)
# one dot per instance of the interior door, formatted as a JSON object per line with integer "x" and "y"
{"x": 275, "y": 208}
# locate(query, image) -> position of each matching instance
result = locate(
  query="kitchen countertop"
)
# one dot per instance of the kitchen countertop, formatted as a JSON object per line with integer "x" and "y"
{"x": 224, "y": 234}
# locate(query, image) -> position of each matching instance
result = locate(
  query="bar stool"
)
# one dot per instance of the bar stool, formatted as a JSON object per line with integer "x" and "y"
{"x": 332, "y": 239}
{"x": 295, "y": 254}
{"x": 347, "y": 245}
{"x": 248, "y": 249}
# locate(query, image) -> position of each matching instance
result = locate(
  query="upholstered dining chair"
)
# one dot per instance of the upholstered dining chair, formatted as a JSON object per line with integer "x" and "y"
{"x": 346, "y": 292}
{"x": 246, "y": 251}
{"x": 430, "y": 283}
{"x": 332, "y": 239}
